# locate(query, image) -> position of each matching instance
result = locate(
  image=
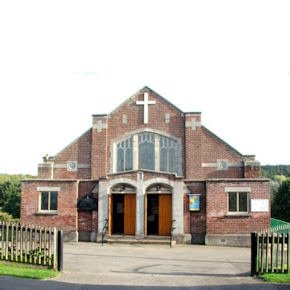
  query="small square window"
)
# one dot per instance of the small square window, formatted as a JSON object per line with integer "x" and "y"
{"x": 48, "y": 201}
{"x": 238, "y": 202}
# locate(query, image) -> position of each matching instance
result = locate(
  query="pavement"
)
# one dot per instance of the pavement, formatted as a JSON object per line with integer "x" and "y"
{"x": 142, "y": 267}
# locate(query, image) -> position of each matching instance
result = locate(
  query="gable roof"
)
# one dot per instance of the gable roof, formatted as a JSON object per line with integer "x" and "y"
{"x": 145, "y": 89}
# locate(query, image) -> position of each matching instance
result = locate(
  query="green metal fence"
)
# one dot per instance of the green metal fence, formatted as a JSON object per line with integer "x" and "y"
{"x": 270, "y": 250}
{"x": 280, "y": 226}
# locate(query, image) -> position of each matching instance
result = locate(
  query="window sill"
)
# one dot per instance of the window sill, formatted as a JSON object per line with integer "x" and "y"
{"x": 238, "y": 214}
{"x": 46, "y": 213}
{"x": 144, "y": 170}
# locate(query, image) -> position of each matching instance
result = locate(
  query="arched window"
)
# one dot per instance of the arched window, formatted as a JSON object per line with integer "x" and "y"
{"x": 149, "y": 151}
{"x": 146, "y": 151}
{"x": 125, "y": 155}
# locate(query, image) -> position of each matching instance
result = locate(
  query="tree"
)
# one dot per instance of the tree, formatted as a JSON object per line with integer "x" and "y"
{"x": 10, "y": 188}
{"x": 281, "y": 202}
{"x": 10, "y": 202}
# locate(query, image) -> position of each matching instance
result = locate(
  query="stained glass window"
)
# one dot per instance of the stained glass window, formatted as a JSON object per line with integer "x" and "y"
{"x": 168, "y": 160}
{"x": 125, "y": 155}
{"x": 146, "y": 151}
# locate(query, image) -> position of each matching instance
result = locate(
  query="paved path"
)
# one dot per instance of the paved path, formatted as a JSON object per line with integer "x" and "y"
{"x": 91, "y": 266}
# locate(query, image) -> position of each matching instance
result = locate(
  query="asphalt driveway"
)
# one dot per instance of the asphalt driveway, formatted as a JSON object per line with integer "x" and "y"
{"x": 158, "y": 266}
{"x": 144, "y": 267}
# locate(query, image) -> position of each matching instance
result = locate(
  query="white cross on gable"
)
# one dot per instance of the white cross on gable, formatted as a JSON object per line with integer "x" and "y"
{"x": 146, "y": 104}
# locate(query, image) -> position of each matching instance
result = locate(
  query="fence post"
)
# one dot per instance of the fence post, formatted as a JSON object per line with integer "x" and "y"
{"x": 288, "y": 253}
{"x": 60, "y": 251}
{"x": 253, "y": 253}
{"x": 54, "y": 249}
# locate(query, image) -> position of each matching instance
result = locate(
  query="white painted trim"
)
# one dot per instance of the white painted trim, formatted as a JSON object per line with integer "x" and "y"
{"x": 48, "y": 188}
{"x": 79, "y": 166}
{"x": 135, "y": 152}
{"x": 84, "y": 166}
{"x": 114, "y": 155}
{"x": 60, "y": 166}
{"x": 237, "y": 164}
{"x": 44, "y": 165}
{"x": 237, "y": 189}
{"x": 209, "y": 165}
{"x": 215, "y": 164}
{"x": 121, "y": 180}
{"x": 152, "y": 181}
{"x": 143, "y": 130}
{"x": 157, "y": 152}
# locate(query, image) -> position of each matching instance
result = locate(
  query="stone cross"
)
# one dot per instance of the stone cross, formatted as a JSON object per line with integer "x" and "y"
{"x": 192, "y": 124}
{"x": 100, "y": 126}
{"x": 146, "y": 104}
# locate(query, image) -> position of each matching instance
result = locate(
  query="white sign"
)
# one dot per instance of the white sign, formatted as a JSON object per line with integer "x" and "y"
{"x": 260, "y": 205}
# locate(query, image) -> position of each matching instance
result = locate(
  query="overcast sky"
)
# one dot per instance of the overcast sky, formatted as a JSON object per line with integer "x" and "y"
{"x": 62, "y": 61}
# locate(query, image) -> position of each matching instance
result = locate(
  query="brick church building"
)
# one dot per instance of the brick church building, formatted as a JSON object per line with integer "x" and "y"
{"x": 144, "y": 168}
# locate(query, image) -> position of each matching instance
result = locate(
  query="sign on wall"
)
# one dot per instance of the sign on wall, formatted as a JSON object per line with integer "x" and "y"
{"x": 260, "y": 205}
{"x": 194, "y": 202}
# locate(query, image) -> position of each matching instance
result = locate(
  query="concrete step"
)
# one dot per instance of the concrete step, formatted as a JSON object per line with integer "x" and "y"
{"x": 154, "y": 240}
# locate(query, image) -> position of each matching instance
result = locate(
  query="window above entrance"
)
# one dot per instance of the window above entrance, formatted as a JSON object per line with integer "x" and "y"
{"x": 147, "y": 151}
{"x": 125, "y": 155}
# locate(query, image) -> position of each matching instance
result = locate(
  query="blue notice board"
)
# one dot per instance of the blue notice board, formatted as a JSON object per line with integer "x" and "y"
{"x": 194, "y": 202}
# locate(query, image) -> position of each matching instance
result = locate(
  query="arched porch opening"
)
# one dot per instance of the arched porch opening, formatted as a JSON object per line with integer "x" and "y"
{"x": 158, "y": 210}
{"x": 122, "y": 210}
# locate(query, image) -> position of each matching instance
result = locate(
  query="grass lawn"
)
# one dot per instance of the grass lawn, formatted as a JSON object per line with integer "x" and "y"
{"x": 25, "y": 271}
{"x": 276, "y": 278}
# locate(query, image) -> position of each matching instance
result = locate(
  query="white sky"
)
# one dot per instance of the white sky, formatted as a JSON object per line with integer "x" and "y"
{"x": 62, "y": 61}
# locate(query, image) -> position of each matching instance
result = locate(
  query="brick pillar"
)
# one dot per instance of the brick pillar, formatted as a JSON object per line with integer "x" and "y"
{"x": 99, "y": 146}
{"x": 252, "y": 169}
{"x": 94, "y": 226}
{"x": 192, "y": 145}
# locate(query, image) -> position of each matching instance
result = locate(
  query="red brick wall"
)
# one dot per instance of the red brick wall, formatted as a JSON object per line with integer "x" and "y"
{"x": 44, "y": 171}
{"x": 99, "y": 149}
{"x": 87, "y": 221}
{"x": 193, "y": 149}
{"x": 80, "y": 151}
{"x": 86, "y": 187}
{"x": 195, "y": 222}
{"x": 212, "y": 149}
{"x": 65, "y": 219}
{"x": 253, "y": 171}
{"x": 218, "y": 222}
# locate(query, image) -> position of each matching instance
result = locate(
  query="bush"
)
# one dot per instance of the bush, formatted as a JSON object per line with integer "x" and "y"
{"x": 281, "y": 202}
{"x": 6, "y": 217}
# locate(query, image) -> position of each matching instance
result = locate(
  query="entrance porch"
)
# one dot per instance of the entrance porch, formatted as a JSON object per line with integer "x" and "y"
{"x": 141, "y": 209}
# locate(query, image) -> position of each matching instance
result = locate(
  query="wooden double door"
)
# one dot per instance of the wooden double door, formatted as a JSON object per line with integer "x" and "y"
{"x": 122, "y": 214}
{"x": 158, "y": 214}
